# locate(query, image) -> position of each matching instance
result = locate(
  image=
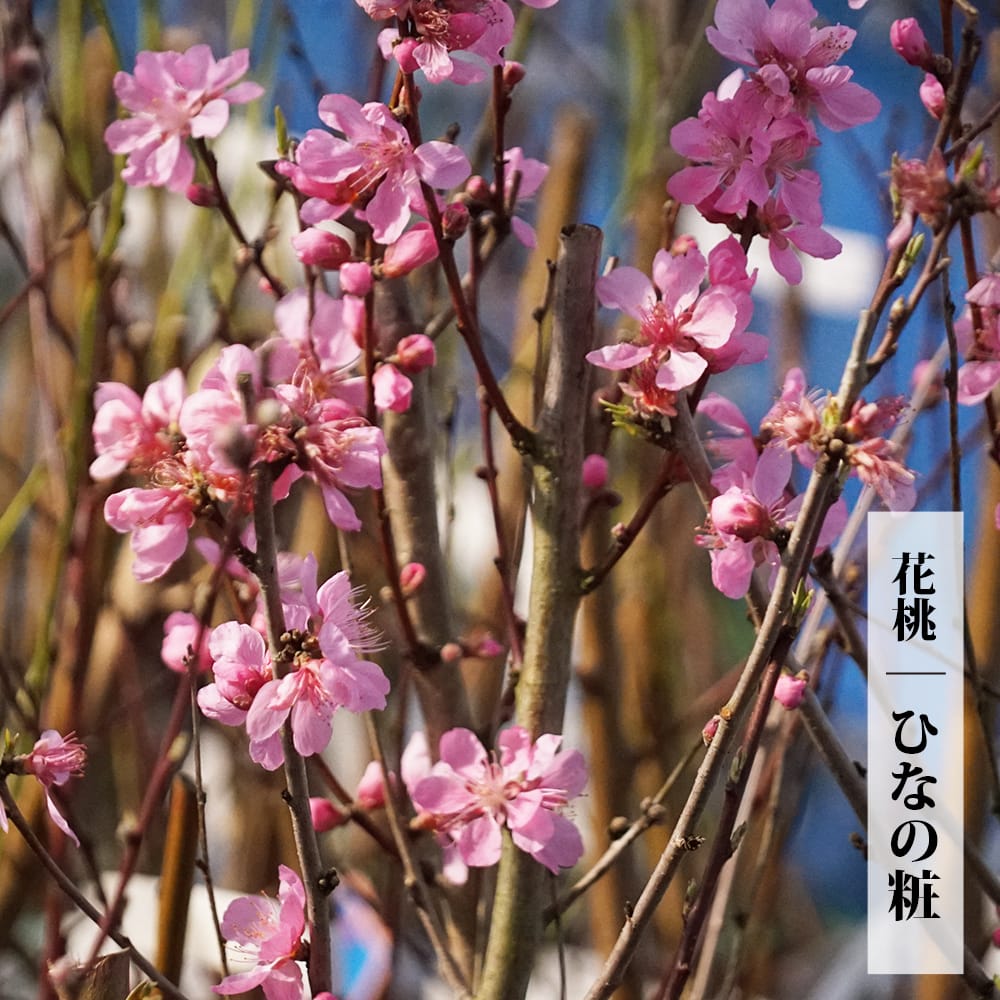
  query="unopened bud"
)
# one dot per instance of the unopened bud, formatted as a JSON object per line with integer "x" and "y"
{"x": 454, "y": 221}
{"x": 791, "y": 689}
{"x": 402, "y": 52}
{"x": 415, "y": 353}
{"x": 478, "y": 190}
{"x": 411, "y": 576}
{"x": 710, "y": 729}
{"x": 932, "y": 95}
{"x": 513, "y": 74}
{"x": 595, "y": 472}
{"x": 202, "y": 195}
{"x": 325, "y": 815}
{"x": 451, "y": 652}
{"x": 319, "y": 248}
{"x": 909, "y": 41}
{"x": 356, "y": 278}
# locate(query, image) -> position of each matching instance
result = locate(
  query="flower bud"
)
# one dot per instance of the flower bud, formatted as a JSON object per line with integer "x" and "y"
{"x": 451, "y": 652}
{"x": 477, "y": 189}
{"x": 513, "y": 74}
{"x": 709, "y": 730}
{"x": 202, "y": 195}
{"x": 932, "y": 95}
{"x": 325, "y": 815}
{"x": 454, "y": 221}
{"x": 319, "y": 248}
{"x": 741, "y": 514}
{"x": 488, "y": 646}
{"x": 595, "y": 472}
{"x": 415, "y": 247}
{"x": 356, "y": 278}
{"x": 411, "y": 576}
{"x": 791, "y": 689}
{"x": 370, "y": 793}
{"x": 393, "y": 390}
{"x": 908, "y": 40}
{"x": 415, "y": 353}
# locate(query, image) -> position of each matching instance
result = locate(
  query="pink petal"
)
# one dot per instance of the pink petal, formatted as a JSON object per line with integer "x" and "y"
{"x": 628, "y": 289}
{"x": 617, "y": 357}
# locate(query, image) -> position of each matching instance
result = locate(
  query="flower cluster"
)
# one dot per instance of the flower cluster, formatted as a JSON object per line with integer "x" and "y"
{"x": 752, "y": 517}
{"x": 430, "y": 32}
{"x": 470, "y": 795}
{"x": 750, "y": 139}
{"x": 322, "y": 666}
{"x": 286, "y": 404}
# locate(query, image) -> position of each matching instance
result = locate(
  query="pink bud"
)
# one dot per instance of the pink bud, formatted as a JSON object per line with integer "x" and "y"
{"x": 451, "y": 652}
{"x": 996, "y": 938}
{"x": 393, "y": 390}
{"x": 325, "y": 815}
{"x": 370, "y": 793}
{"x": 415, "y": 353}
{"x": 488, "y": 646}
{"x": 403, "y": 54}
{"x": 478, "y": 190}
{"x": 415, "y": 247}
{"x": 202, "y": 195}
{"x": 265, "y": 286}
{"x": 454, "y": 221}
{"x": 595, "y": 472}
{"x": 513, "y": 74}
{"x": 935, "y": 390}
{"x": 411, "y": 576}
{"x": 356, "y": 278}
{"x": 909, "y": 41}
{"x": 709, "y": 730}
{"x": 932, "y": 95}
{"x": 791, "y": 689}
{"x": 320, "y": 248}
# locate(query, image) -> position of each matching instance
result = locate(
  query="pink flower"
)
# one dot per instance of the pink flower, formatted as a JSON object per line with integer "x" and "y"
{"x": 393, "y": 390}
{"x": 173, "y": 96}
{"x": 793, "y": 61}
{"x": 271, "y": 935}
{"x": 128, "y": 430}
{"x": 53, "y": 760}
{"x": 791, "y": 689}
{"x": 182, "y": 634}
{"x": 374, "y": 165}
{"x": 981, "y": 371}
{"x": 909, "y": 41}
{"x": 783, "y": 233}
{"x": 676, "y": 321}
{"x": 876, "y": 463}
{"x": 469, "y": 796}
{"x": 159, "y": 520}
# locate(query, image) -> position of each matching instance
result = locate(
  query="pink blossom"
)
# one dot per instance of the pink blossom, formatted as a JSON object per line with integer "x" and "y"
{"x": 159, "y": 520}
{"x": 523, "y": 176}
{"x": 468, "y": 796}
{"x": 53, "y": 760}
{"x": 793, "y": 61}
{"x": 323, "y": 327}
{"x": 393, "y": 390}
{"x": 922, "y": 189}
{"x": 791, "y": 689}
{"x": 375, "y": 165}
{"x": 709, "y": 730}
{"x": 370, "y": 793}
{"x": 182, "y": 635}
{"x": 909, "y": 41}
{"x": 877, "y": 464}
{"x": 271, "y": 935}
{"x": 676, "y": 321}
{"x": 356, "y": 278}
{"x": 129, "y": 431}
{"x": 783, "y": 233}
{"x": 172, "y": 97}
{"x": 981, "y": 371}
